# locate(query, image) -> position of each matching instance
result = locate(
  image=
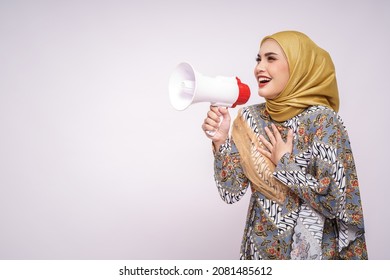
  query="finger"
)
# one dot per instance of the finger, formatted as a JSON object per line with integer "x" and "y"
{"x": 270, "y": 135}
{"x": 213, "y": 116}
{"x": 223, "y": 110}
{"x": 267, "y": 144}
{"x": 264, "y": 152}
{"x": 276, "y": 132}
{"x": 212, "y": 122}
{"x": 207, "y": 127}
{"x": 290, "y": 136}
{"x": 215, "y": 109}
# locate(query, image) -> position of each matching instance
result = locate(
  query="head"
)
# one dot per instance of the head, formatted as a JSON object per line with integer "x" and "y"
{"x": 272, "y": 71}
{"x": 294, "y": 74}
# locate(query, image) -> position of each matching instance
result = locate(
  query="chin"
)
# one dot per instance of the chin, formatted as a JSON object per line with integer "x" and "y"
{"x": 267, "y": 95}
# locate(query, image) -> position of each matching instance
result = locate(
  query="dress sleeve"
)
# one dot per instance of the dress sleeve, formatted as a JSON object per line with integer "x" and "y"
{"x": 231, "y": 181}
{"x": 316, "y": 170}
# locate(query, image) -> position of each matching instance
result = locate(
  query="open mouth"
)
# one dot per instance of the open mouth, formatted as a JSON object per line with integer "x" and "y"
{"x": 263, "y": 81}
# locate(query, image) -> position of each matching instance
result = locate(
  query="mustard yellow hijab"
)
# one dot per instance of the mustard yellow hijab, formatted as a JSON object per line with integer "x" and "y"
{"x": 312, "y": 77}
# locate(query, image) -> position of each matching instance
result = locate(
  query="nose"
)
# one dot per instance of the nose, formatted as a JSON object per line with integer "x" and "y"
{"x": 259, "y": 68}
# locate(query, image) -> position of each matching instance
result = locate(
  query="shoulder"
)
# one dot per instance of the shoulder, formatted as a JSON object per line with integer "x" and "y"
{"x": 320, "y": 115}
{"x": 253, "y": 110}
{"x": 320, "y": 124}
{"x": 254, "y": 107}
{"x": 253, "y": 116}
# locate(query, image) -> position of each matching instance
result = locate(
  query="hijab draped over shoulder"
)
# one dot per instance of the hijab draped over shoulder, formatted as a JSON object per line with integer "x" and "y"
{"x": 312, "y": 77}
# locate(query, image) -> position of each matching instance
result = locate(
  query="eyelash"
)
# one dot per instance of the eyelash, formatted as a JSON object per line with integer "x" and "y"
{"x": 270, "y": 58}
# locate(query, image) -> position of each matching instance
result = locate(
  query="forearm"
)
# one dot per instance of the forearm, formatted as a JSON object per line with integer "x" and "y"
{"x": 229, "y": 176}
{"x": 317, "y": 190}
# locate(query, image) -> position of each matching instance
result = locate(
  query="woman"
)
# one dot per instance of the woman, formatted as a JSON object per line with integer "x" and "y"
{"x": 294, "y": 153}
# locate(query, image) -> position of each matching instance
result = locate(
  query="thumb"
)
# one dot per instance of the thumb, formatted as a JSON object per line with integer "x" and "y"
{"x": 224, "y": 112}
{"x": 224, "y": 125}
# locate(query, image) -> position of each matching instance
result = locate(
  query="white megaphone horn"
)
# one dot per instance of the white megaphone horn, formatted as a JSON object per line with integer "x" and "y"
{"x": 186, "y": 87}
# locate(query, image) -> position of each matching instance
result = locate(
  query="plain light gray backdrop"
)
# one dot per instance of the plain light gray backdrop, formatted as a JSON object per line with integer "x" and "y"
{"x": 96, "y": 164}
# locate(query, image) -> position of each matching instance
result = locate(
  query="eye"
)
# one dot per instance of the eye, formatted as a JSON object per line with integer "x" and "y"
{"x": 258, "y": 58}
{"x": 271, "y": 58}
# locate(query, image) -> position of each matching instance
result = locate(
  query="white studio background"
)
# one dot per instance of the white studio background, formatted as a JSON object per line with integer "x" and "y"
{"x": 96, "y": 164}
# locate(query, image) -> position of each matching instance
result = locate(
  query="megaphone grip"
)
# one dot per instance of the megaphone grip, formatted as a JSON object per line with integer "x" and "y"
{"x": 212, "y": 132}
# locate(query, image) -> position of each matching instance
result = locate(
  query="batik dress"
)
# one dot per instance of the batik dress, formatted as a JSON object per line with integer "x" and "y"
{"x": 321, "y": 216}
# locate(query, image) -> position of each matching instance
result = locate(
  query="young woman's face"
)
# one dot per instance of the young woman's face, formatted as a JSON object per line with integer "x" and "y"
{"x": 271, "y": 72}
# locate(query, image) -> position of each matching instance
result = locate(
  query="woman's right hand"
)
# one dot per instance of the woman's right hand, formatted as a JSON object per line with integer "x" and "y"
{"x": 217, "y": 125}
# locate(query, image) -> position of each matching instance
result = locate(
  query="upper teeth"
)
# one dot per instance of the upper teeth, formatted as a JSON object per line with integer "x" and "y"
{"x": 264, "y": 80}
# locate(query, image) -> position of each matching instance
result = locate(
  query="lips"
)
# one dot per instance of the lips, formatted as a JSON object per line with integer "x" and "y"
{"x": 263, "y": 81}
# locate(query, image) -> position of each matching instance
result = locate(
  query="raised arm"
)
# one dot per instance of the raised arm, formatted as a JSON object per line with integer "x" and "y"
{"x": 229, "y": 176}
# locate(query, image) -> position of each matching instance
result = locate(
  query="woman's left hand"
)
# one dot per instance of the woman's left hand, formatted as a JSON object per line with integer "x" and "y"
{"x": 276, "y": 148}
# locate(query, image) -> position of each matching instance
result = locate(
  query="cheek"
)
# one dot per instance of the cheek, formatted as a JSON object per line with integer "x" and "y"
{"x": 285, "y": 74}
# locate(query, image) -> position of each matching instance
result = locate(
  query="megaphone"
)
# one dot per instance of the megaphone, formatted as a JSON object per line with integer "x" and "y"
{"x": 186, "y": 87}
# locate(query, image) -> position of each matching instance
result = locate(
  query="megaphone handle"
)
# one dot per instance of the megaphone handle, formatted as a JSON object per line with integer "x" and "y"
{"x": 211, "y": 132}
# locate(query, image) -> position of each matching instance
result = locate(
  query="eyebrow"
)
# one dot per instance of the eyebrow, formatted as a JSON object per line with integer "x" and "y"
{"x": 268, "y": 54}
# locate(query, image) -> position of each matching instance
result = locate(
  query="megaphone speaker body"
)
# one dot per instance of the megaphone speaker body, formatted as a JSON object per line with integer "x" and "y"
{"x": 186, "y": 87}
